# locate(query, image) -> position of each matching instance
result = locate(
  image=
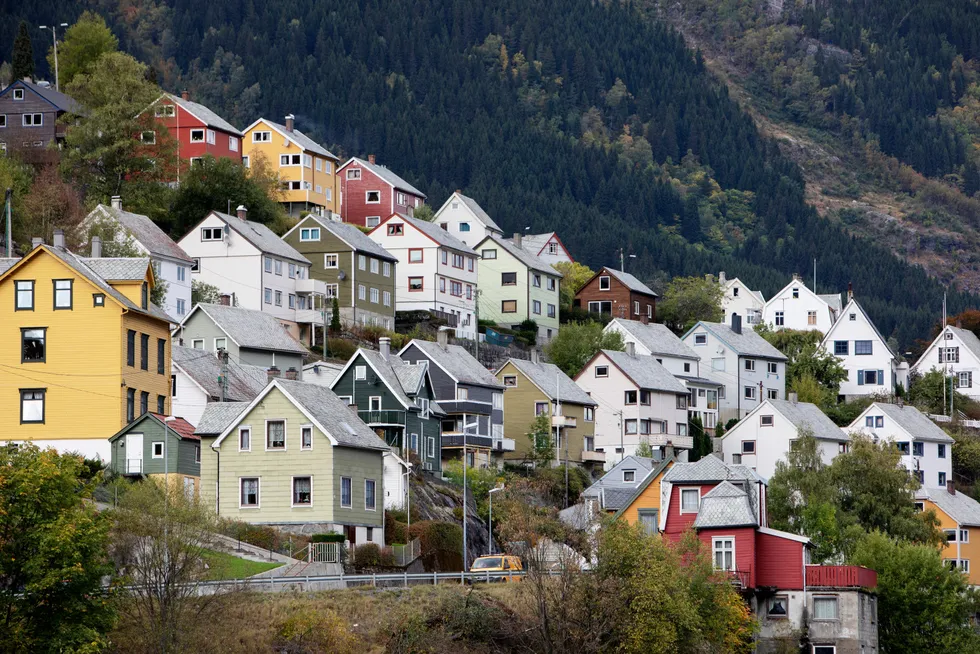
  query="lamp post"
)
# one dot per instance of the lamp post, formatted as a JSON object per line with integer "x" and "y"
{"x": 166, "y": 490}
{"x": 490, "y": 531}
{"x": 472, "y": 425}
{"x": 54, "y": 37}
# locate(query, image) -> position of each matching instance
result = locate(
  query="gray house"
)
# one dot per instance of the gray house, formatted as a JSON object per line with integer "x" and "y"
{"x": 29, "y": 124}
{"x": 154, "y": 445}
{"x": 471, "y": 396}
{"x": 250, "y": 337}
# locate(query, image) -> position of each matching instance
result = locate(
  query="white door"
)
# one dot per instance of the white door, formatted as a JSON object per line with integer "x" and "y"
{"x": 134, "y": 454}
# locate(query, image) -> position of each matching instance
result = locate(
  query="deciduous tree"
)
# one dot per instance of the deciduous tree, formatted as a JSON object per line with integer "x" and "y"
{"x": 574, "y": 277}
{"x": 82, "y": 45}
{"x": 577, "y": 342}
{"x": 687, "y": 300}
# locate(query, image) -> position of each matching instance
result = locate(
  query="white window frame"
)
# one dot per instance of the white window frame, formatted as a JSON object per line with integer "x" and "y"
{"x": 285, "y": 432}
{"x": 211, "y": 137}
{"x": 18, "y": 94}
{"x": 245, "y": 430}
{"x": 309, "y": 234}
{"x": 368, "y": 200}
{"x": 374, "y": 508}
{"x": 603, "y": 375}
{"x": 153, "y": 449}
{"x": 605, "y": 279}
{"x": 303, "y": 428}
{"x": 197, "y": 131}
{"x": 680, "y": 498}
{"x": 292, "y": 492}
{"x": 28, "y": 120}
{"x": 258, "y": 493}
{"x": 360, "y": 373}
{"x": 715, "y": 541}
{"x": 700, "y": 339}
{"x": 261, "y": 137}
{"x": 350, "y": 483}
{"x": 386, "y": 269}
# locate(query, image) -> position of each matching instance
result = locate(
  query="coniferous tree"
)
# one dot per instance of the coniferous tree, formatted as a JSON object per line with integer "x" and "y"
{"x": 23, "y": 59}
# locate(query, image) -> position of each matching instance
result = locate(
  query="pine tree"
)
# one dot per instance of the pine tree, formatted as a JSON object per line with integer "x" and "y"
{"x": 23, "y": 60}
{"x": 335, "y": 318}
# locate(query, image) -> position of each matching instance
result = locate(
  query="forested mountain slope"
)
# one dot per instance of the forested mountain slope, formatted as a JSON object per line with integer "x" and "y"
{"x": 584, "y": 117}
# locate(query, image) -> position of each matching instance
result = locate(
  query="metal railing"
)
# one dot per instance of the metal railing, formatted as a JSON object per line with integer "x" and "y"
{"x": 405, "y": 554}
{"x": 325, "y": 553}
{"x": 134, "y": 466}
{"x": 382, "y": 417}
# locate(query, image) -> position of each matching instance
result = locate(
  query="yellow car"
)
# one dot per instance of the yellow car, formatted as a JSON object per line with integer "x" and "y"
{"x": 498, "y": 563}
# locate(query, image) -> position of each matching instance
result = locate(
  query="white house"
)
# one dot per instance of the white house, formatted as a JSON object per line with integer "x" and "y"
{"x": 259, "y": 270}
{"x": 196, "y": 380}
{"x": 516, "y": 286}
{"x": 872, "y": 367}
{"x": 395, "y": 481}
{"x": 739, "y": 298}
{"x": 766, "y": 435}
{"x": 462, "y": 217}
{"x": 547, "y": 246}
{"x": 640, "y": 401}
{"x": 927, "y": 451}
{"x": 656, "y": 340}
{"x": 170, "y": 263}
{"x": 750, "y": 369}
{"x": 797, "y": 307}
{"x": 436, "y": 271}
{"x": 957, "y": 352}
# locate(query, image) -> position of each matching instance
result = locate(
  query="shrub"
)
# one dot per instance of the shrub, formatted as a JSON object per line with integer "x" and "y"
{"x": 552, "y": 483}
{"x": 341, "y": 349}
{"x": 442, "y": 544}
{"x": 470, "y": 619}
{"x": 327, "y": 538}
{"x": 367, "y": 555}
{"x": 311, "y": 630}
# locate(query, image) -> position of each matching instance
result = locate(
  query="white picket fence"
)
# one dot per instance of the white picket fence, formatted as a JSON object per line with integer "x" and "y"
{"x": 974, "y": 424}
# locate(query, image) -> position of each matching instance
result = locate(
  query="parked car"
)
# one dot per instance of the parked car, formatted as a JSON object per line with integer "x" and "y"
{"x": 498, "y": 563}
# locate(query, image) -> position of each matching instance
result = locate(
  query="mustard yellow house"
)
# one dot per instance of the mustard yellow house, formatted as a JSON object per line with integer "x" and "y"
{"x": 307, "y": 170}
{"x": 959, "y": 519}
{"x": 82, "y": 349}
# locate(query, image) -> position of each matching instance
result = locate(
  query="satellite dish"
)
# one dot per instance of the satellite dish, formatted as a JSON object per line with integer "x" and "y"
{"x": 341, "y": 275}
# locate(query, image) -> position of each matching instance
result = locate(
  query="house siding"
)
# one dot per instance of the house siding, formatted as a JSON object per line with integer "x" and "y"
{"x": 621, "y": 297}
{"x": 969, "y": 551}
{"x": 648, "y": 499}
{"x": 135, "y": 377}
{"x": 22, "y": 139}
{"x": 180, "y": 453}
{"x": 353, "y": 197}
{"x": 359, "y": 465}
{"x": 745, "y": 549}
{"x": 779, "y": 562}
{"x": 180, "y": 127}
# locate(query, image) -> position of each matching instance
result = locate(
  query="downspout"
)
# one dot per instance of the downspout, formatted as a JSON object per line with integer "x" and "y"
{"x": 217, "y": 483}
{"x": 353, "y": 285}
{"x": 738, "y": 386}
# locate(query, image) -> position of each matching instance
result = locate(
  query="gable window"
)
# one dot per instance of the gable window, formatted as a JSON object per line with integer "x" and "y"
{"x": 748, "y": 447}
{"x": 397, "y": 229}
{"x": 879, "y": 422}
{"x": 302, "y": 491}
{"x": 629, "y": 476}
{"x": 862, "y": 347}
{"x": 602, "y": 371}
{"x": 690, "y": 500}
{"x": 275, "y": 435}
{"x": 98, "y": 299}
{"x": 824, "y": 608}
{"x": 261, "y": 137}
{"x": 345, "y": 493}
{"x": 24, "y": 300}
{"x": 32, "y": 405}
{"x": 33, "y": 341}
{"x": 489, "y": 254}
{"x": 249, "y": 492}
{"x": 18, "y": 94}
{"x": 309, "y": 234}
{"x": 700, "y": 339}
{"x": 796, "y": 293}
{"x": 372, "y": 197}
{"x": 723, "y": 550}
{"x": 604, "y": 283}
{"x": 841, "y": 348}
{"x": 360, "y": 373}
{"x": 197, "y": 136}
{"x": 629, "y": 397}
{"x": 354, "y": 173}
{"x": 648, "y": 519}
{"x": 811, "y": 317}
{"x": 508, "y": 306}
{"x": 212, "y": 234}
{"x": 766, "y": 421}
{"x": 949, "y": 355}
{"x": 245, "y": 439}
{"x": 780, "y": 319}
{"x": 508, "y": 279}
{"x": 370, "y": 498}
{"x": 552, "y": 248}
{"x": 464, "y": 227}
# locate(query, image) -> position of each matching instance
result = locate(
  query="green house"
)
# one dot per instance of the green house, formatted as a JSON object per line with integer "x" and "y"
{"x": 154, "y": 445}
{"x": 396, "y": 399}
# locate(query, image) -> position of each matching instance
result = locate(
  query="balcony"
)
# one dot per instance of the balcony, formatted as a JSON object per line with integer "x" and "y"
{"x": 310, "y": 316}
{"x": 465, "y": 406}
{"x": 662, "y": 440}
{"x": 589, "y": 456}
{"x": 472, "y": 440}
{"x": 564, "y": 421}
{"x": 840, "y": 576}
{"x": 385, "y": 417}
{"x": 311, "y": 286}
{"x": 449, "y": 318}
{"x": 503, "y": 444}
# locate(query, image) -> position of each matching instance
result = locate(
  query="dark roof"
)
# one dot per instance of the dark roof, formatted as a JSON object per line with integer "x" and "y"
{"x": 60, "y": 101}
{"x": 250, "y": 329}
{"x": 217, "y": 416}
{"x": 352, "y": 236}
{"x": 725, "y": 506}
{"x": 657, "y": 338}
{"x": 645, "y": 372}
{"x": 384, "y": 173}
{"x": 300, "y": 138}
{"x": 478, "y": 211}
{"x": 805, "y": 415}
{"x": 645, "y": 482}
{"x": 709, "y": 469}
{"x": 435, "y": 232}
{"x": 145, "y": 231}
{"x": 959, "y": 506}
{"x": 333, "y": 414}
{"x": 613, "y": 478}
{"x": 203, "y": 114}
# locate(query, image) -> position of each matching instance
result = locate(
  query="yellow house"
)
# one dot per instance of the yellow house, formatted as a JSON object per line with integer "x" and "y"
{"x": 82, "y": 349}
{"x": 644, "y": 506}
{"x": 307, "y": 170}
{"x": 959, "y": 518}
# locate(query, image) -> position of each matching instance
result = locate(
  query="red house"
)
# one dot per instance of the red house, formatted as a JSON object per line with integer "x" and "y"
{"x": 198, "y": 130}
{"x": 369, "y": 192}
{"x": 618, "y": 294}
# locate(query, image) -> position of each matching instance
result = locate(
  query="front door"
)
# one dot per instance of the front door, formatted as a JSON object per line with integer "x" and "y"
{"x": 134, "y": 454}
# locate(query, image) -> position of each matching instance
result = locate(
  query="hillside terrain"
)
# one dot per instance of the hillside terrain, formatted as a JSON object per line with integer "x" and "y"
{"x": 593, "y": 119}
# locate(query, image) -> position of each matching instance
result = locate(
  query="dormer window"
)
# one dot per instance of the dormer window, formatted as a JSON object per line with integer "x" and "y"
{"x": 629, "y": 476}
{"x": 145, "y": 296}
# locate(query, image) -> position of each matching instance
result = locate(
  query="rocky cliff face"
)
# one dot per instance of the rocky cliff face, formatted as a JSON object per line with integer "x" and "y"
{"x": 434, "y": 499}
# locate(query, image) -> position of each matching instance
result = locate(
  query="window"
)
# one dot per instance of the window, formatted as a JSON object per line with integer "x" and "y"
{"x": 600, "y": 307}
{"x": 32, "y": 120}
{"x": 749, "y": 393}
{"x": 144, "y": 351}
{"x": 98, "y": 299}
{"x": 589, "y": 414}
{"x": 415, "y": 284}
{"x": 131, "y": 348}
{"x": 292, "y": 271}
{"x": 214, "y": 234}
{"x": 250, "y": 492}
{"x": 32, "y": 405}
{"x": 330, "y": 260}
{"x": 700, "y": 339}
{"x": 636, "y": 307}
{"x": 161, "y": 404}
{"x": 917, "y": 449}
{"x": 631, "y": 425}
{"x": 233, "y": 144}
{"x": 361, "y": 292}
{"x": 766, "y": 421}
{"x": 302, "y": 491}
{"x": 197, "y": 136}
{"x": 964, "y": 380}
{"x": 415, "y": 255}
{"x": 309, "y": 234}
{"x": 354, "y": 173}
{"x": 510, "y": 380}
{"x": 211, "y": 136}
{"x": 374, "y": 266}
{"x": 796, "y": 293}
{"x": 370, "y": 500}
{"x": 462, "y": 393}
{"x": 144, "y": 402}
{"x": 602, "y": 371}
{"x": 950, "y": 535}
{"x": 724, "y": 553}
{"x": 780, "y": 319}
{"x": 772, "y": 393}
{"x": 552, "y": 284}
{"x": 292, "y": 301}
{"x": 841, "y": 348}
{"x": 902, "y": 446}
{"x": 949, "y": 355}
{"x": 862, "y": 347}
{"x": 464, "y": 227}
{"x": 333, "y": 290}
{"x": 278, "y": 298}
{"x": 508, "y": 306}
{"x": 629, "y": 397}
{"x": 361, "y": 262}
{"x": 18, "y": 94}
{"x": 24, "y": 300}
{"x": 268, "y": 296}
{"x": 345, "y": 492}
{"x": 552, "y": 311}
{"x": 645, "y": 398}
{"x": 750, "y": 364}
{"x": 148, "y": 137}
{"x": 130, "y": 404}
{"x": 33, "y": 349}
{"x": 690, "y": 500}
{"x": 868, "y": 377}
{"x": 489, "y": 254}
{"x": 777, "y": 606}
{"x": 536, "y": 281}
{"x": 604, "y": 283}
{"x": 964, "y": 535}
{"x": 198, "y": 343}
{"x": 824, "y": 608}
{"x": 245, "y": 439}
{"x": 278, "y": 264}
{"x": 360, "y": 373}
{"x": 387, "y": 298}
{"x": 920, "y": 476}
{"x": 372, "y": 197}
{"x": 386, "y": 269}
{"x": 458, "y": 261}
{"x": 536, "y": 307}
{"x": 811, "y": 317}
{"x": 508, "y": 279}
{"x": 748, "y": 447}
{"x": 879, "y": 422}
{"x": 941, "y": 450}
{"x": 158, "y": 450}
{"x": 649, "y": 519}
{"x": 181, "y": 273}
{"x": 629, "y": 476}
{"x": 275, "y": 435}
{"x": 942, "y": 478}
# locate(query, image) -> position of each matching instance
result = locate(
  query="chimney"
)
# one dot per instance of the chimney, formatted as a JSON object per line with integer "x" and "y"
{"x": 384, "y": 345}
{"x": 291, "y": 374}
{"x": 224, "y": 300}
{"x": 722, "y": 278}
{"x": 371, "y": 159}
{"x": 185, "y": 95}
{"x": 535, "y": 356}
{"x": 242, "y": 212}
{"x": 36, "y": 242}
{"x": 707, "y": 277}
{"x": 290, "y": 122}
{"x": 517, "y": 239}
{"x": 59, "y": 238}
{"x": 631, "y": 349}
{"x": 850, "y": 291}
{"x": 442, "y": 338}
{"x": 950, "y": 488}
{"x": 669, "y": 451}
{"x": 96, "y": 244}
{"x": 116, "y": 202}
{"x": 271, "y": 373}
{"x": 736, "y": 323}
{"x": 793, "y": 397}
{"x": 796, "y": 277}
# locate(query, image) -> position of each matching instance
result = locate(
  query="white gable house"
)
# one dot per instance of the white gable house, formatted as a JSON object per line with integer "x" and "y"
{"x": 872, "y": 367}
{"x": 738, "y": 298}
{"x": 462, "y": 217}
{"x": 797, "y": 307}
{"x": 957, "y": 351}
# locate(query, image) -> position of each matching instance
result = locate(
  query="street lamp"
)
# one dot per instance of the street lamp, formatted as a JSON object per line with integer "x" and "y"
{"x": 54, "y": 37}
{"x": 472, "y": 425}
{"x": 490, "y": 493}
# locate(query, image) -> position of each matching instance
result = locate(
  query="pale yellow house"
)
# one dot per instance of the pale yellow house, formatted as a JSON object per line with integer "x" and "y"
{"x": 296, "y": 457}
{"x": 307, "y": 170}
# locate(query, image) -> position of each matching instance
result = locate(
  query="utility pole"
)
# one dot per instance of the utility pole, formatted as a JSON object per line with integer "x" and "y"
{"x": 223, "y": 356}
{"x": 54, "y": 36}
{"x": 476, "y": 317}
{"x": 8, "y": 238}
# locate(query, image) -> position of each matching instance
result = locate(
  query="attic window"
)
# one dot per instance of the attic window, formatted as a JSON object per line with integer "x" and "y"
{"x": 735, "y": 291}
{"x": 796, "y": 293}
{"x": 629, "y": 475}
{"x": 949, "y": 336}
{"x": 602, "y": 371}
{"x": 18, "y": 94}
{"x": 852, "y": 317}
{"x": 766, "y": 421}
{"x": 396, "y": 229}
{"x": 604, "y": 283}
{"x": 510, "y": 380}
{"x": 211, "y": 233}
{"x": 489, "y": 254}
{"x": 164, "y": 111}
{"x": 360, "y": 372}
{"x": 98, "y": 300}
{"x": 354, "y": 173}
{"x": 700, "y": 339}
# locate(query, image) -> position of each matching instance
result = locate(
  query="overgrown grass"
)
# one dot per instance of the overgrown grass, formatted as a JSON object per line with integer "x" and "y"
{"x": 228, "y": 566}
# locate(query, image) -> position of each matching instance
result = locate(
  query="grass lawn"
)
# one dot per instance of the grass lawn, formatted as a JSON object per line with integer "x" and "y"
{"x": 228, "y": 566}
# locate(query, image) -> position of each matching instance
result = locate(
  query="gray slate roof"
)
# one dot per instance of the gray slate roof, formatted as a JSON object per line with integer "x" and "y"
{"x": 384, "y": 173}
{"x": 262, "y": 237}
{"x": 354, "y": 237}
{"x": 217, "y": 416}
{"x": 725, "y": 506}
{"x": 206, "y": 116}
{"x": 833, "y": 300}
{"x": 119, "y": 269}
{"x": 522, "y": 255}
{"x": 614, "y": 477}
{"x": 457, "y": 362}
{"x": 245, "y": 382}
{"x": 916, "y": 423}
{"x": 658, "y": 339}
{"x": 534, "y": 243}
{"x": 61, "y": 101}
{"x": 6, "y": 264}
{"x": 961, "y": 507}
{"x": 386, "y": 370}
{"x": 805, "y": 415}
{"x": 970, "y": 340}
{"x": 631, "y": 282}
{"x": 302, "y": 139}
{"x": 335, "y": 416}
{"x": 146, "y": 232}
{"x": 437, "y": 234}
{"x": 553, "y": 382}
{"x": 478, "y": 211}
{"x": 250, "y": 329}
{"x": 748, "y": 343}
{"x": 646, "y": 372}
{"x": 614, "y": 499}
{"x": 709, "y": 469}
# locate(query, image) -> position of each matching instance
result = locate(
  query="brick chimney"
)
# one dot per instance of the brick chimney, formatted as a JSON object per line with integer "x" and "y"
{"x": 371, "y": 159}
{"x": 224, "y": 300}
{"x": 736, "y": 323}
{"x": 384, "y": 345}
{"x": 242, "y": 212}
{"x": 271, "y": 373}
{"x": 950, "y": 488}
{"x": 669, "y": 450}
{"x": 59, "y": 238}
{"x": 185, "y": 95}
{"x": 292, "y": 374}
{"x": 290, "y": 122}
{"x": 517, "y": 239}
{"x": 116, "y": 202}
{"x": 96, "y": 245}
{"x": 850, "y": 291}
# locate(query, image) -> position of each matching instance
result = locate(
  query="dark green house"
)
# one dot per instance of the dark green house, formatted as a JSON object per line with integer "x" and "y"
{"x": 154, "y": 445}
{"x": 396, "y": 400}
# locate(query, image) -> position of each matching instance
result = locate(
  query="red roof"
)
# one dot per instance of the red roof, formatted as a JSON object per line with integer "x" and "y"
{"x": 183, "y": 428}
